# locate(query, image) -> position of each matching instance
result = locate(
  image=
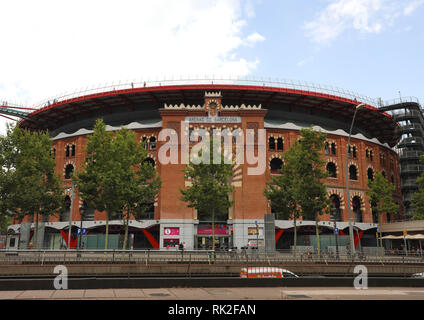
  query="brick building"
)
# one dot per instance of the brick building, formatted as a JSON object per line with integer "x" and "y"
{"x": 188, "y": 109}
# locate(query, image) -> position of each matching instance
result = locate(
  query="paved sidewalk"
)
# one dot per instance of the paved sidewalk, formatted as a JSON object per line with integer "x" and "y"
{"x": 273, "y": 293}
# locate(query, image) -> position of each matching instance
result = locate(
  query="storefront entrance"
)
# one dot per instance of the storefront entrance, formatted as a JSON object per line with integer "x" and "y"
{"x": 204, "y": 242}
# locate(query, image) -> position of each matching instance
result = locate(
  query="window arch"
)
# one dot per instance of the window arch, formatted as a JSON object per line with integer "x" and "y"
{"x": 370, "y": 174}
{"x": 356, "y": 206}
{"x": 69, "y": 169}
{"x": 333, "y": 148}
{"x": 280, "y": 144}
{"x": 332, "y": 170}
{"x": 150, "y": 161}
{"x": 152, "y": 143}
{"x": 335, "y": 212}
{"x": 271, "y": 143}
{"x": 275, "y": 165}
{"x": 64, "y": 216}
{"x": 353, "y": 172}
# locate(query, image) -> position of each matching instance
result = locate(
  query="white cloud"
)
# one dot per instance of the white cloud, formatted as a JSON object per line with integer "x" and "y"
{"x": 49, "y": 46}
{"x": 367, "y": 16}
{"x": 411, "y": 7}
{"x": 253, "y": 38}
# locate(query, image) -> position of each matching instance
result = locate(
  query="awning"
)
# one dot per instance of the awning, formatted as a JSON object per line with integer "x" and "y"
{"x": 408, "y": 237}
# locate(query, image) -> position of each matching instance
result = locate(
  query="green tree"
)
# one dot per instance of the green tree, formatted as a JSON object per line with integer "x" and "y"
{"x": 139, "y": 180}
{"x": 380, "y": 195}
{"x": 28, "y": 183}
{"x": 418, "y": 198}
{"x": 5, "y": 221}
{"x": 210, "y": 184}
{"x": 281, "y": 193}
{"x": 114, "y": 178}
{"x": 299, "y": 190}
{"x": 312, "y": 192}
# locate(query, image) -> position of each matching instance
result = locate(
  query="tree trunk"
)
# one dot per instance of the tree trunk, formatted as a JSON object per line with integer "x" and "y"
{"x": 36, "y": 231}
{"x": 213, "y": 232}
{"x": 379, "y": 234}
{"x": 317, "y": 232}
{"x": 295, "y": 237}
{"x": 107, "y": 231}
{"x": 124, "y": 246}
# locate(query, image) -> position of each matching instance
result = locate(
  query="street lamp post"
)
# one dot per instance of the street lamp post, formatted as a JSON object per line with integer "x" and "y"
{"x": 82, "y": 211}
{"x": 352, "y": 246}
{"x": 70, "y": 217}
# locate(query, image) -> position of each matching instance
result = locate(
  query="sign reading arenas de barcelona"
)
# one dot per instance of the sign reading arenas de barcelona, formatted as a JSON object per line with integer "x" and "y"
{"x": 259, "y": 122}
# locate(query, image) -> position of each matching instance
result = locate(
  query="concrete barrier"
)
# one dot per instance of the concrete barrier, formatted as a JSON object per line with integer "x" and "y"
{"x": 215, "y": 282}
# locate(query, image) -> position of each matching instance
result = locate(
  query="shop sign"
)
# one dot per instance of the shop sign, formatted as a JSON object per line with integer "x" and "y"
{"x": 171, "y": 231}
{"x": 208, "y": 231}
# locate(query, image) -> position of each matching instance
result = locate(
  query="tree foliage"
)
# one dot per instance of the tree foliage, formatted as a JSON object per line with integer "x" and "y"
{"x": 115, "y": 178}
{"x": 28, "y": 183}
{"x": 418, "y": 197}
{"x": 380, "y": 195}
{"x": 210, "y": 184}
{"x": 298, "y": 190}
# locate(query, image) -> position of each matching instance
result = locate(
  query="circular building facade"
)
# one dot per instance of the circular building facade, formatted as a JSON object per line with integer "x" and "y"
{"x": 275, "y": 111}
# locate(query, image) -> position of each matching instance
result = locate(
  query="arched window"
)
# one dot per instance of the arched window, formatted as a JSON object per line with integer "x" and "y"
{"x": 353, "y": 172}
{"x": 332, "y": 170}
{"x": 356, "y": 206}
{"x": 370, "y": 174}
{"x": 64, "y": 216}
{"x": 144, "y": 142}
{"x": 333, "y": 148}
{"x": 371, "y": 156}
{"x": 69, "y": 169}
{"x": 152, "y": 143}
{"x": 280, "y": 144}
{"x": 54, "y": 153}
{"x": 354, "y": 151}
{"x": 67, "y": 151}
{"x": 271, "y": 143}
{"x": 335, "y": 213}
{"x": 73, "y": 151}
{"x": 150, "y": 161}
{"x": 326, "y": 148}
{"x": 276, "y": 164}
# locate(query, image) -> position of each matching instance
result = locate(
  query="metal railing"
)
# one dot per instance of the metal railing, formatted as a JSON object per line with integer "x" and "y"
{"x": 411, "y": 168}
{"x": 150, "y": 257}
{"x": 403, "y": 154}
{"x": 210, "y": 79}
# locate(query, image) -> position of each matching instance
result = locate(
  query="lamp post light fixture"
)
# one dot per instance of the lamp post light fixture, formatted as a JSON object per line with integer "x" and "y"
{"x": 352, "y": 245}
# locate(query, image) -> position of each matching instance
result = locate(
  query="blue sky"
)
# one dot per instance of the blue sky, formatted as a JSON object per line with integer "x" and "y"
{"x": 373, "y": 47}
